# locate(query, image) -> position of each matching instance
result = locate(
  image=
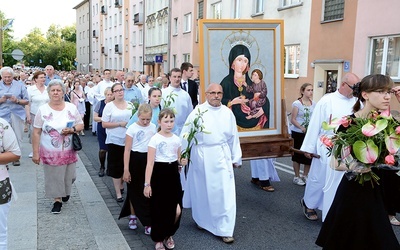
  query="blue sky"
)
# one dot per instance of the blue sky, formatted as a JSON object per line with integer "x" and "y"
{"x": 29, "y": 14}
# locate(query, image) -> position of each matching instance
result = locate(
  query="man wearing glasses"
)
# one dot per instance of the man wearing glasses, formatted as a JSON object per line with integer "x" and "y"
{"x": 210, "y": 187}
{"x": 323, "y": 181}
{"x": 132, "y": 92}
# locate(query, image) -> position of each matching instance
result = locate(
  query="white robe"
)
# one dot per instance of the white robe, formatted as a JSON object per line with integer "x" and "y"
{"x": 210, "y": 187}
{"x": 323, "y": 181}
{"x": 264, "y": 169}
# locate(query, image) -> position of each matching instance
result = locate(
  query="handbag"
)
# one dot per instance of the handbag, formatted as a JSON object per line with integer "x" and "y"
{"x": 76, "y": 142}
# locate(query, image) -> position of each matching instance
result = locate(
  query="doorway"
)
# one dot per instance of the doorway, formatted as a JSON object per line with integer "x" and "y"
{"x": 331, "y": 81}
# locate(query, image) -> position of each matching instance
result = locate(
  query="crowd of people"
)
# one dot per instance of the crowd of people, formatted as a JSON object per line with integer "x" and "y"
{"x": 141, "y": 125}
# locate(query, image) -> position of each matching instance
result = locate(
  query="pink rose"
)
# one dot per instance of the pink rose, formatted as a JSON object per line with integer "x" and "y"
{"x": 389, "y": 160}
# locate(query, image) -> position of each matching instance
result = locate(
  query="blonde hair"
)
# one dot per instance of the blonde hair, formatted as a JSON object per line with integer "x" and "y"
{"x": 144, "y": 109}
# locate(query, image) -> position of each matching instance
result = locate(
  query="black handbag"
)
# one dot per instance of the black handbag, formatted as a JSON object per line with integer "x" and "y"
{"x": 76, "y": 142}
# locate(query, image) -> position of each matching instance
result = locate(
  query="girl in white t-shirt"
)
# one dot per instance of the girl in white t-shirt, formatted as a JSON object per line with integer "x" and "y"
{"x": 162, "y": 181}
{"x": 137, "y": 140}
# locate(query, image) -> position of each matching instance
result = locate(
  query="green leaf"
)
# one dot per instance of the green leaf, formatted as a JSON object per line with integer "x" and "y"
{"x": 366, "y": 152}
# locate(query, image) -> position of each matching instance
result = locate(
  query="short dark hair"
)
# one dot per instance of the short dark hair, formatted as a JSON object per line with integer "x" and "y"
{"x": 186, "y": 66}
{"x": 174, "y": 70}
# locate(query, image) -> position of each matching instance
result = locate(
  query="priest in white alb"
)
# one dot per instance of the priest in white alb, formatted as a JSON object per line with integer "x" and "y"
{"x": 323, "y": 181}
{"x": 210, "y": 186}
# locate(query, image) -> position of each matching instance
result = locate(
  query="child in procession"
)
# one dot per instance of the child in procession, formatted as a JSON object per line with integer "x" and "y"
{"x": 162, "y": 181}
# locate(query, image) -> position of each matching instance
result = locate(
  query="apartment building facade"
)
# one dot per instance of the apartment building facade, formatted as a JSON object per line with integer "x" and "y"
{"x": 83, "y": 37}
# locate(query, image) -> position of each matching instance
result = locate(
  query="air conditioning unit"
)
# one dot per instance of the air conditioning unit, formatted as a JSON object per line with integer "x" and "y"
{"x": 118, "y": 3}
{"x": 138, "y": 19}
{"x": 95, "y": 34}
{"x": 118, "y": 49}
{"x": 103, "y": 10}
{"x": 104, "y": 50}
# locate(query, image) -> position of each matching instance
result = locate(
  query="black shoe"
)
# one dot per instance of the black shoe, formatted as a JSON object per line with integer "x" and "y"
{"x": 94, "y": 133}
{"x": 56, "y": 207}
{"x": 16, "y": 163}
{"x": 121, "y": 199}
{"x": 65, "y": 199}
{"x": 122, "y": 191}
{"x": 101, "y": 172}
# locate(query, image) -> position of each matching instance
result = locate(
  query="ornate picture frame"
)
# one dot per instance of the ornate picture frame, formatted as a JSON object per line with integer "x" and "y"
{"x": 231, "y": 52}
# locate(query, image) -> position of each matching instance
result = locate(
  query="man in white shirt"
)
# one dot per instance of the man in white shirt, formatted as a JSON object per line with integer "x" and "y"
{"x": 147, "y": 87}
{"x": 131, "y": 92}
{"x": 101, "y": 86}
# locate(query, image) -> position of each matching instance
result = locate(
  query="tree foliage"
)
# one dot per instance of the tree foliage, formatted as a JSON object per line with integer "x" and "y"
{"x": 57, "y": 47}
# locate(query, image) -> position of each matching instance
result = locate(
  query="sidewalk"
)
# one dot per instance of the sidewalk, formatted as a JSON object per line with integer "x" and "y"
{"x": 85, "y": 222}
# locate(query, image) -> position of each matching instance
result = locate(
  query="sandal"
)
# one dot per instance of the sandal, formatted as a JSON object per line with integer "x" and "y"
{"x": 394, "y": 221}
{"x": 159, "y": 246}
{"x": 308, "y": 213}
{"x": 268, "y": 188}
{"x": 169, "y": 243}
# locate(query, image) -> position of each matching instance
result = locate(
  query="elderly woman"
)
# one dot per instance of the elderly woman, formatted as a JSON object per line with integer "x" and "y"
{"x": 10, "y": 151}
{"x": 37, "y": 97}
{"x": 13, "y": 98}
{"x": 101, "y": 132}
{"x": 54, "y": 124}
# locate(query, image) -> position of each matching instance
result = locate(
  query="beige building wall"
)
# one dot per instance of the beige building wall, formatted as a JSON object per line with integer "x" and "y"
{"x": 82, "y": 36}
{"x": 331, "y": 44}
{"x": 136, "y": 22}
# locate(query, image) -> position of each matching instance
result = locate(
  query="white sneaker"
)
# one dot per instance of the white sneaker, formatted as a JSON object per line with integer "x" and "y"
{"x": 298, "y": 181}
{"x": 30, "y": 155}
{"x": 305, "y": 178}
{"x": 132, "y": 223}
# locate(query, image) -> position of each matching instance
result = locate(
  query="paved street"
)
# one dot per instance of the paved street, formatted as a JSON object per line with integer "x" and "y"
{"x": 90, "y": 219}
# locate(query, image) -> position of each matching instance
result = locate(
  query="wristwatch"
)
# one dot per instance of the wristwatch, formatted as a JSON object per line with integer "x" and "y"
{"x": 146, "y": 184}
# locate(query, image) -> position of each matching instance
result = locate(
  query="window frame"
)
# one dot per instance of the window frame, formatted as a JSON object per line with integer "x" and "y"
{"x": 385, "y": 55}
{"x": 258, "y": 7}
{"x": 324, "y": 19}
{"x": 187, "y": 23}
{"x": 296, "y": 59}
{"x": 214, "y": 11}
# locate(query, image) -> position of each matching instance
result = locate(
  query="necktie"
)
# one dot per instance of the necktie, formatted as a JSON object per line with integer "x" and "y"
{"x": 184, "y": 86}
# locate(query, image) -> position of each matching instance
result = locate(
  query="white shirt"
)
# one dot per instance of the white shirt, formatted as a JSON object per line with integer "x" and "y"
{"x": 166, "y": 147}
{"x": 37, "y": 98}
{"x": 112, "y": 113}
{"x": 100, "y": 88}
{"x": 141, "y": 136}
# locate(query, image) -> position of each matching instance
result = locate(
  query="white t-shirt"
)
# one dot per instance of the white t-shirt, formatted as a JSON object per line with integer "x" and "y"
{"x": 141, "y": 136}
{"x": 112, "y": 113}
{"x": 166, "y": 147}
{"x": 37, "y": 98}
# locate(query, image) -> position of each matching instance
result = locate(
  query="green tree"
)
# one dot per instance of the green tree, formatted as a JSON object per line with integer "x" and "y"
{"x": 7, "y": 41}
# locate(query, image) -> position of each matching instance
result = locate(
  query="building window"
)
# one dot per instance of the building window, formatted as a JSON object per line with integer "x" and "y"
{"x": 258, "y": 6}
{"x": 333, "y": 10}
{"x": 288, "y": 3}
{"x": 175, "y": 26}
{"x": 134, "y": 63}
{"x": 134, "y": 39}
{"x": 174, "y": 62}
{"x": 216, "y": 10}
{"x": 186, "y": 57}
{"x": 187, "y": 23}
{"x": 292, "y": 59}
{"x": 236, "y": 9}
{"x": 140, "y": 37}
{"x": 385, "y": 54}
{"x": 200, "y": 9}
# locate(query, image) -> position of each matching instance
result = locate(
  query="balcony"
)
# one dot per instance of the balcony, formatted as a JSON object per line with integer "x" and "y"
{"x": 103, "y": 10}
{"x": 138, "y": 19}
{"x": 104, "y": 50}
{"x": 118, "y": 3}
{"x": 118, "y": 49}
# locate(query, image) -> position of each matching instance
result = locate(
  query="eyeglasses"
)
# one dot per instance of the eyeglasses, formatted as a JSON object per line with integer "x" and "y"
{"x": 352, "y": 87}
{"x": 215, "y": 93}
{"x": 118, "y": 90}
{"x": 130, "y": 81}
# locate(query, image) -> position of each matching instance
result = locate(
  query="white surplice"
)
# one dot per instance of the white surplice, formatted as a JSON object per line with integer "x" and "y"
{"x": 210, "y": 187}
{"x": 323, "y": 181}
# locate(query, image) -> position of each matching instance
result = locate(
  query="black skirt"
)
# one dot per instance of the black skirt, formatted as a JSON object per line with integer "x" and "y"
{"x": 357, "y": 219}
{"x": 166, "y": 196}
{"x": 115, "y": 161}
{"x": 135, "y": 196}
{"x": 298, "y": 139}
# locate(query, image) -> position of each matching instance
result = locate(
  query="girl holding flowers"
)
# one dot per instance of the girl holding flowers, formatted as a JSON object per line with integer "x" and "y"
{"x": 357, "y": 218}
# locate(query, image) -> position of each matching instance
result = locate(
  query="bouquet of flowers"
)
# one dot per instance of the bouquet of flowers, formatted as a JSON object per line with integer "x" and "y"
{"x": 368, "y": 142}
{"x": 195, "y": 127}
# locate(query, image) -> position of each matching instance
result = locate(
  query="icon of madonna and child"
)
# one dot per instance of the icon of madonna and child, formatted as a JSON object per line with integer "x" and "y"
{"x": 245, "y": 96}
